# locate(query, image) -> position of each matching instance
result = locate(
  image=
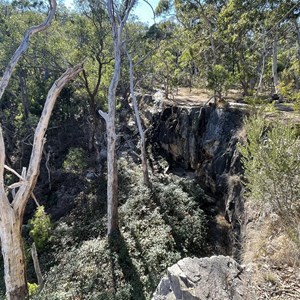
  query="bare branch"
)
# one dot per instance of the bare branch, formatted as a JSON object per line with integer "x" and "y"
{"x": 39, "y": 138}
{"x": 127, "y": 12}
{"x": 24, "y": 46}
{"x": 35, "y": 200}
{"x": 15, "y": 172}
{"x": 103, "y": 114}
{"x": 2, "y": 158}
{"x": 15, "y": 185}
{"x": 151, "y": 9}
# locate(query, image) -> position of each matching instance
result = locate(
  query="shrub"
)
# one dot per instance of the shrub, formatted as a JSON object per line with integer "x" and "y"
{"x": 180, "y": 207}
{"x": 75, "y": 161}
{"x": 271, "y": 159}
{"x": 40, "y": 228}
{"x": 32, "y": 288}
{"x": 130, "y": 265}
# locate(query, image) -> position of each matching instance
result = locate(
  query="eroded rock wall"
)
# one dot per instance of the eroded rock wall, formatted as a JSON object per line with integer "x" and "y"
{"x": 204, "y": 139}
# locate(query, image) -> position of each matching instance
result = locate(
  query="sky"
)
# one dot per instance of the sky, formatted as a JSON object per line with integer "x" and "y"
{"x": 142, "y": 10}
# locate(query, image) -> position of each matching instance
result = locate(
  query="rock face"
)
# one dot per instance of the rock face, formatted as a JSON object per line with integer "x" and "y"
{"x": 215, "y": 278}
{"x": 204, "y": 139}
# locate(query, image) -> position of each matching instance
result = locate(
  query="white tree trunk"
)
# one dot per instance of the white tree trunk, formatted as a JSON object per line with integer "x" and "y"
{"x": 24, "y": 46}
{"x": 13, "y": 254}
{"x": 275, "y": 63}
{"x": 37, "y": 267}
{"x": 11, "y": 218}
{"x": 117, "y": 25}
{"x": 260, "y": 83}
{"x": 139, "y": 125}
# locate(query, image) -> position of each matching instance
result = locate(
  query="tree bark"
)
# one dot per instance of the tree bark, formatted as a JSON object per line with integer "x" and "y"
{"x": 13, "y": 254}
{"x": 12, "y": 213}
{"x": 275, "y": 63}
{"x": 24, "y": 46}
{"x": 261, "y": 76}
{"x": 117, "y": 24}
{"x": 139, "y": 125}
{"x": 37, "y": 267}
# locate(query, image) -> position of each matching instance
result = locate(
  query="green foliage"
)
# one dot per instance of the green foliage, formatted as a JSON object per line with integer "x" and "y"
{"x": 272, "y": 166}
{"x": 32, "y": 288}
{"x": 151, "y": 238}
{"x": 75, "y": 161}
{"x": 181, "y": 210}
{"x": 163, "y": 6}
{"x": 40, "y": 228}
{"x": 218, "y": 79}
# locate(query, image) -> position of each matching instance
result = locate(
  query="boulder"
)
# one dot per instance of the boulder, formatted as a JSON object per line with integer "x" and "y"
{"x": 215, "y": 278}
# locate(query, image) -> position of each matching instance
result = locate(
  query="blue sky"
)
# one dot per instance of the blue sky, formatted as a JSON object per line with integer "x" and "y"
{"x": 142, "y": 10}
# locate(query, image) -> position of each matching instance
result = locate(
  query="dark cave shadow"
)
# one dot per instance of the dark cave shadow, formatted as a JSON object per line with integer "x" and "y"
{"x": 118, "y": 246}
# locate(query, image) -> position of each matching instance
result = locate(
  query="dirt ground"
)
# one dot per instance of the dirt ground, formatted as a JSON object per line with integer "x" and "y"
{"x": 197, "y": 97}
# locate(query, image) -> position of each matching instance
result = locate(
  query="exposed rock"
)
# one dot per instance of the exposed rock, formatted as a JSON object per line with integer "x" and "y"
{"x": 204, "y": 139}
{"x": 216, "y": 278}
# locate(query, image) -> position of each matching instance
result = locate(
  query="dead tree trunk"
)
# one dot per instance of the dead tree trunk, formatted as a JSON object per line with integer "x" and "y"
{"x": 263, "y": 63}
{"x": 139, "y": 125}
{"x": 12, "y": 212}
{"x": 117, "y": 24}
{"x": 275, "y": 63}
{"x": 37, "y": 267}
{"x": 24, "y": 46}
{"x": 12, "y": 251}
{"x": 298, "y": 52}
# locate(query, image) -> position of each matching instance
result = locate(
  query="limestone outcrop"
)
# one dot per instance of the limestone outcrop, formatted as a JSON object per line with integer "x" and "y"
{"x": 215, "y": 278}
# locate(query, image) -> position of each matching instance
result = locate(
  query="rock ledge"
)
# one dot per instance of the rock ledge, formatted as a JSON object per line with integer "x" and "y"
{"x": 217, "y": 278}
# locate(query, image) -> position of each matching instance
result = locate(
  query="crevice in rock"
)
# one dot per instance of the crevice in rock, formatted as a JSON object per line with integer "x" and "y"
{"x": 200, "y": 143}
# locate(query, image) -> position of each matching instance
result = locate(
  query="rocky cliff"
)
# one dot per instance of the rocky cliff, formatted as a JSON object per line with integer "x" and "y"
{"x": 204, "y": 139}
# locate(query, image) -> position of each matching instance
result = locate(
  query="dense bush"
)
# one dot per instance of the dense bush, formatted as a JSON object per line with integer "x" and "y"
{"x": 40, "y": 228}
{"x": 75, "y": 161}
{"x": 156, "y": 229}
{"x": 271, "y": 159}
{"x": 180, "y": 208}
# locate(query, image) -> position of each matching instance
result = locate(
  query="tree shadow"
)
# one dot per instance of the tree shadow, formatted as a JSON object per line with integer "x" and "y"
{"x": 148, "y": 270}
{"x": 119, "y": 247}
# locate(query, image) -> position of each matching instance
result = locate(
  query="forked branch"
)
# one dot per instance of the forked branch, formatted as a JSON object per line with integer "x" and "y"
{"x": 24, "y": 46}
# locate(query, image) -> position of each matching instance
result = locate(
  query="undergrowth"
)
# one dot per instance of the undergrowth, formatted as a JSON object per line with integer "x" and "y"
{"x": 157, "y": 228}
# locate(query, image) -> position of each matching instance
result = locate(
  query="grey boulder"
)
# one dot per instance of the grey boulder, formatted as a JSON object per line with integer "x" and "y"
{"x": 217, "y": 278}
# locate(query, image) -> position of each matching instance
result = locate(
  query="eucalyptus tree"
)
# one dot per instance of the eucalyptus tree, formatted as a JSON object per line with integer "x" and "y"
{"x": 13, "y": 207}
{"x": 95, "y": 42}
{"x": 118, "y": 13}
